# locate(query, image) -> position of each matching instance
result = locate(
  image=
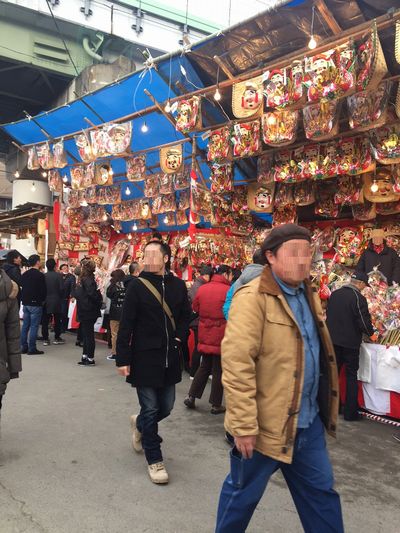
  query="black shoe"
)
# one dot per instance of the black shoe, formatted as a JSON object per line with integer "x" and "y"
{"x": 86, "y": 362}
{"x": 111, "y": 357}
{"x": 36, "y": 352}
{"x": 190, "y": 402}
{"x": 217, "y": 410}
{"x": 24, "y": 350}
{"x": 40, "y": 338}
{"x": 59, "y": 341}
{"x": 78, "y": 343}
{"x": 90, "y": 362}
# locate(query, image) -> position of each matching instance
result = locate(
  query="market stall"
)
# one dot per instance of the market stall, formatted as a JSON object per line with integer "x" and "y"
{"x": 299, "y": 122}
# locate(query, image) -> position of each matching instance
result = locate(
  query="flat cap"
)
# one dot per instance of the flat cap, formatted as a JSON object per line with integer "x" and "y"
{"x": 284, "y": 233}
{"x": 360, "y": 276}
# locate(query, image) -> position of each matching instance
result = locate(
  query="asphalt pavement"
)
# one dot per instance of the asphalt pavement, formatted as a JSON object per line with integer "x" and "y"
{"x": 67, "y": 466}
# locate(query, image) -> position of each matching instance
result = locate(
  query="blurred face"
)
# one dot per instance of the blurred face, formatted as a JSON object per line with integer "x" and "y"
{"x": 64, "y": 269}
{"x": 377, "y": 241}
{"x": 292, "y": 262}
{"x": 154, "y": 260}
{"x": 18, "y": 260}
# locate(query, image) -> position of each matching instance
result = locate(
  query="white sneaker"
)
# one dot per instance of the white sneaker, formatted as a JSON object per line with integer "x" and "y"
{"x": 136, "y": 435}
{"x": 158, "y": 473}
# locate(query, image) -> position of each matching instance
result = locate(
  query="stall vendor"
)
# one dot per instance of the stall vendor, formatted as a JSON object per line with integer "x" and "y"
{"x": 380, "y": 255}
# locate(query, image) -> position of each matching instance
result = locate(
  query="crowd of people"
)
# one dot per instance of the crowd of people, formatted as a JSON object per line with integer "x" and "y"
{"x": 260, "y": 335}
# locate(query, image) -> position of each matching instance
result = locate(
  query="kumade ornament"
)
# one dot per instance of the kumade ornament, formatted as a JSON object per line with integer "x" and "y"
{"x": 385, "y": 144}
{"x": 182, "y": 179}
{"x": 285, "y": 214}
{"x": 276, "y": 88}
{"x": 368, "y": 109}
{"x": 321, "y": 120}
{"x": 45, "y": 156}
{"x": 245, "y": 139}
{"x": 55, "y": 181}
{"x": 371, "y": 63}
{"x": 364, "y": 212}
{"x": 83, "y": 144}
{"x": 136, "y": 167}
{"x": 378, "y": 186}
{"x": 349, "y": 190}
{"x": 304, "y": 193}
{"x": 77, "y": 177}
{"x": 247, "y": 97}
{"x": 218, "y": 144}
{"x": 171, "y": 159}
{"x": 260, "y": 198}
{"x": 33, "y": 162}
{"x": 117, "y": 138}
{"x": 221, "y": 178}
{"x": 151, "y": 185}
{"x": 104, "y": 174}
{"x": 188, "y": 114}
{"x": 265, "y": 169}
{"x": 279, "y": 127}
{"x": 59, "y": 155}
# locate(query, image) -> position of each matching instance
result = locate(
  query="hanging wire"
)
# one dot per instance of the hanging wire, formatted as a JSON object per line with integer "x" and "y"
{"x": 169, "y": 77}
{"x": 229, "y": 13}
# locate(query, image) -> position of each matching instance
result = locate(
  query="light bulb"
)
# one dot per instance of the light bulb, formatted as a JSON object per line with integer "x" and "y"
{"x": 110, "y": 172}
{"x": 84, "y": 203}
{"x": 271, "y": 120}
{"x": 167, "y": 107}
{"x": 134, "y": 227}
{"x": 129, "y": 236}
{"x": 44, "y": 174}
{"x": 165, "y": 219}
{"x": 127, "y": 191}
{"x": 312, "y": 43}
{"x": 217, "y": 95}
{"x": 16, "y": 174}
{"x": 33, "y": 188}
{"x": 374, "y": 187}
{"x": 105, "y": 217}
{"x": 65, "y": 179}
{"x": 144, "y": 127}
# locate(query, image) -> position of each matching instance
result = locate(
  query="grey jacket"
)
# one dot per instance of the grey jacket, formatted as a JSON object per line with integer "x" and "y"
{"x": 55, "y": 292}
{"x": 10, "y": 350}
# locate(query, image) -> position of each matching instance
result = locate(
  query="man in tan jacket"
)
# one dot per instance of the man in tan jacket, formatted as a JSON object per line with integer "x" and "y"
{"x": 280, "y": 382}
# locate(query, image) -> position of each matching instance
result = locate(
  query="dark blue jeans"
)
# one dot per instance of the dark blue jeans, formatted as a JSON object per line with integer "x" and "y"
{"x": 31, "y": 322}
{"x": 156, "y": 404}
{"x": 309, "y": 478}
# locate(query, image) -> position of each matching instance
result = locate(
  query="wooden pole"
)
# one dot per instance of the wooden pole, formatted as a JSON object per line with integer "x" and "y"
{"x": 328, "y": 17}
{"x": 223, "y": 66}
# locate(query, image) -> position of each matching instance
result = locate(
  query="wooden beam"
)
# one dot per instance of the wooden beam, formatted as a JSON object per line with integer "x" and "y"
{"x": 328, "y": 17}
{"x": 223, "y": 66}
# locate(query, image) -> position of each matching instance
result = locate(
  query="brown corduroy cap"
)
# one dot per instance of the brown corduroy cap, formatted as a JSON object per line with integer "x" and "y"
{"x": 284, "y": 233}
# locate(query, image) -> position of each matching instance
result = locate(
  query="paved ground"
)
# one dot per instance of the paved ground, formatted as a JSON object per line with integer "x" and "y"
{"x": 66, "y": 465}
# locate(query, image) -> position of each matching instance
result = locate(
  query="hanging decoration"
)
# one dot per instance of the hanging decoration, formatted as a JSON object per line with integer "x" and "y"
{"x": 104, "y": 174}
{"x": 218, "y": 145}
{"x": 182, "y": 179}
{"x": 378, "y": 186}
{"x": 45, "y": 156}
{"x": 260, "y": 198}
{"x": 55, "y": 181}
{"x": 33, "y": 162}
{"x": 279, "y": 127}
{"x": 247, "y": 98}
{"x": 245, "y": 139}
{"x": 325, "y": 205}
{"x": 171, "y": 159}
{"x": 84, "y": 147}
{"x": 184, "y": 200}
{"x": 151, "y": 185}
{"x": 364, "y": 212}
{"x": 117, "y": 138}
{"x": 136, "y": 167}
{"x": 265, "y": 171}
{"x": 89, "y": 175}
{"x": 385, "y": 144}
{"x": 371, "y": 63}
{"x": 349, "y": 190}
{"x": 285, "y": 214}
{"x": 221, "y": 178}
{"x": 77, "y": 177}
{"x": 59, "y": 155}
{"x": 369, "y": 109}
{"x": 166, "y": 183}
{"x": 321, "y": 120}
{"x": 188, "y": 114}
{"x": 304, "y": 193}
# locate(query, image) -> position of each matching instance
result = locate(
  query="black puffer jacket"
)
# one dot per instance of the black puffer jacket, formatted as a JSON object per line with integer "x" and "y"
{"x": 88, "y": 299}
{"x": 388, "y": 262}
{"x": 116, "y": 292}
{"x": 154, "y": 354}
{"x": 10, "y": 350}
{"x": 348, "y": 317}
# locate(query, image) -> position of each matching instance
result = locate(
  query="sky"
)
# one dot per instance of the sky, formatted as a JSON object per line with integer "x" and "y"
{"x": 217, "y": 11}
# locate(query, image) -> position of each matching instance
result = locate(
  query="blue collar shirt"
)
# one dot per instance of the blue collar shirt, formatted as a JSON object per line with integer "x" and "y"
{"x": 297, "y": 301}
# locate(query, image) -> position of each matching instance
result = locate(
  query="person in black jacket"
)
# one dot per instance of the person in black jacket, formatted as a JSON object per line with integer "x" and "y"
{"x": 13, "y": 269}
{"x": 116, "y": 292}
{"x": 347, "y": 319}
{"x": 89, "y": 302}
{"x": 69, "y": 283}
{"x": 53, "y": 306}
{"x": 380, "y": 255}
{"x": 134, "y": 271}
{"x": 154, "y": 322}
{"x": 33, "y": 292}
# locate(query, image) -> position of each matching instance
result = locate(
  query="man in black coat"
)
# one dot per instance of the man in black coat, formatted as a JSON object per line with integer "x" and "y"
{"x": 154, "y": 322}
{"x": 347, "y": 319}
{"x": 380, "y": 255}
{"x": 134, "y": 271}
{"x": 13, "y": 269}
{"x": 69, "y": 283}
{"x": 53, "y": 307}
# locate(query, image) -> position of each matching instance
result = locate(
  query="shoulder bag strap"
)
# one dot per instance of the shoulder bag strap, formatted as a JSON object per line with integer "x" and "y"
{"x": 163, "y": 303}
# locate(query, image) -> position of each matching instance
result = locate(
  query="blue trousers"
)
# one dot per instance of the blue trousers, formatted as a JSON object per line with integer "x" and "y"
{"x": 309, "y": 478}
{"x": 155, "y": 404}
{"x": 31, "y": 322}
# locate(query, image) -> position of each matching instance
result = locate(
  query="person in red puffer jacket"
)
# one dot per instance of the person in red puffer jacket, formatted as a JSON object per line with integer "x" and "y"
{"x": 208, "y": 303}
